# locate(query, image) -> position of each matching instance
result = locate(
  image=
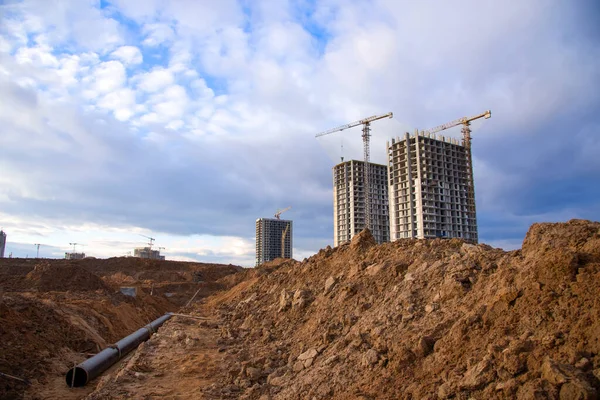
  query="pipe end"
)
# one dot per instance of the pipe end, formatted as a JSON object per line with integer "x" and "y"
{"x": 80, "y": 378}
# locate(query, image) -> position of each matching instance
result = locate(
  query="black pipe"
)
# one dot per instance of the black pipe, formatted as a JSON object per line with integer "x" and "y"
{"x": 96, "y": 365}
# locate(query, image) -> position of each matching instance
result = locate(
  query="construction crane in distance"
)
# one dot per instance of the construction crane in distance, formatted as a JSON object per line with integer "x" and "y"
{"x": 151, "y": 242}
{"x": 38, "y": 249}
{"x": 466, "y": 131}
{"x": 366, "y": 123}
{"x": 279, "y": 212}
{"x": 75, "y": 244}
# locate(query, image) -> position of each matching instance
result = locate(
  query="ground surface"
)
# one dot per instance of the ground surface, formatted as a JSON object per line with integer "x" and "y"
{"x": 404, "y": 320}
{"x": 410, "y": 320}
{"x": 56, "y": 313}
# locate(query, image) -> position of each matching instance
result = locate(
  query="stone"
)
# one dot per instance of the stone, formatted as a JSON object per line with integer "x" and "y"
{"x": 371, "y": 357}
{"x": 553, "y": 373}
{"x": 583, "y": 363}
{"x": 478, "y": 375}
{"x": 424, "y": 346}
{"x": 374, "y": 269}
{"x": 308, "y": 363}
{"x": 285, "y": 300}
{"x": 253, "y": 373}
{"x": 300, "y": 299}
{"x": 577, "y": 390}
{"x": 330, "y": 283}
{"x": 310, "y": 353}
{"x": 298, "y": 366}
{"x": 431, "y": 307}
{"x": 331, "y": 359}
{"x": 275, "y": 380}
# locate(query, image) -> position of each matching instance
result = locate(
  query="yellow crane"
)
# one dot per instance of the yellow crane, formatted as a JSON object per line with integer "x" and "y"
{"x": 279, "y": 212}
{"x": 466, "y": 131}
{"x": 366, "y": 123}
{"x": 283, "y": 235}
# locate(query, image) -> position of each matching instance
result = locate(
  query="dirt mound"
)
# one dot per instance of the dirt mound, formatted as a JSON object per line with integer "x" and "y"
{"x": 46, "y": 277}
{"x": 420, "y": 319}
{"x": 55, "y": 313}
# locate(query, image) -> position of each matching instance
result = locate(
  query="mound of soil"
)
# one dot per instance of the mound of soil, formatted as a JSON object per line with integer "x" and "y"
{"x": 419, "y": 319}
{"x": 46, "y": 277}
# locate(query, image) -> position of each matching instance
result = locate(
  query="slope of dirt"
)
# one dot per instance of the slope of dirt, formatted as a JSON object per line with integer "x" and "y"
{"x": 56, "y": 313}
{"x": 411, "y": 319}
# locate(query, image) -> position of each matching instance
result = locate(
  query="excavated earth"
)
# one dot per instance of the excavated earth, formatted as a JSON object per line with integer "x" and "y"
{"x": 56, "y": 313}
{"x": 413, "y": 319}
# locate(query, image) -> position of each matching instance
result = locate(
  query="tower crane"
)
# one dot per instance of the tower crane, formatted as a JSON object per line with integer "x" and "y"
{"x": 283, "y": 235}
{"x": 366, "y": 123}
{"x": 151, "y": 243}
{"x": 466, "y": 131}
{"x": 279, "y": 212}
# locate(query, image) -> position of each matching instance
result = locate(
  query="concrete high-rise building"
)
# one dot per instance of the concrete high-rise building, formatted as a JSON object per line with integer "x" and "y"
{"x": 431, "y": 188}
{"x": 349, "y": 201}
{"x": 2, "y": 243}
{"x": 269, "y": 235}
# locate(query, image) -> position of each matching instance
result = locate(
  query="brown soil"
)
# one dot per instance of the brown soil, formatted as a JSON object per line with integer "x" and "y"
{"x": 412, "y": 319}
{"x": 56, "y": 313}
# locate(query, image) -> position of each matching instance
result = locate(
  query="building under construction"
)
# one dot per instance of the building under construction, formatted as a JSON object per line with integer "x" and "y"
{"x": 2, "y": 243}
{"x": 431, "y": 190}
{"x": 349, "y": 201}
{"x": 273, "y": 239}
{"x": 74, "y": 256}
{"x": 147, "y": 252}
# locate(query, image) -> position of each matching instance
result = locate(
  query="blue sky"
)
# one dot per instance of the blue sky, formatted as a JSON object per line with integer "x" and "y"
{"x": 188, "y": 120}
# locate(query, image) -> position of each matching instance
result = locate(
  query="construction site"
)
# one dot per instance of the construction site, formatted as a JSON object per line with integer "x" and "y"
{"x": 406, "y": 305}
{"x": 409, "y": 319}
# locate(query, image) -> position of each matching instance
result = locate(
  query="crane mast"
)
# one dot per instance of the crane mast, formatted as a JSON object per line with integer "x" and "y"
{"x": 366, "y": 135}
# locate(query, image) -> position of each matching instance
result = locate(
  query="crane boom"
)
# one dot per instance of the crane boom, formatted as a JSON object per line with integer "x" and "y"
{"x": 355, "y": 123}
{"x": 366, "y": 123}
{"x": 279, "y": 212}
{"x": 464, "y": 120}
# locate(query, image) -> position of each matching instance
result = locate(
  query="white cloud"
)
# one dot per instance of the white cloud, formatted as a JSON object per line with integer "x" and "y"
{"x": 121, "y": 101}
{"x": 157, "y": 34}
{"x": 212, "y": 80}
{"x": 129, "y": 55}
{"x": 106, "y": 77}
{"x": 154, "y": 80}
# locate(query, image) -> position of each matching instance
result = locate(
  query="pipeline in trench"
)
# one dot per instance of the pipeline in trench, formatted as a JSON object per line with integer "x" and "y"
{"x": 93, "y": 367}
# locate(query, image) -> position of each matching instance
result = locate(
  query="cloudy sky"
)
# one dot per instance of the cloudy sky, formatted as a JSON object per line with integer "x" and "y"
{"x": 186, "y": 120}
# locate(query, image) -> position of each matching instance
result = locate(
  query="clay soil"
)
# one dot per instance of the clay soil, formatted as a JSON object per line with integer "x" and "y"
{"x": 414, "y": 319}
{"x": 56, "y": 313}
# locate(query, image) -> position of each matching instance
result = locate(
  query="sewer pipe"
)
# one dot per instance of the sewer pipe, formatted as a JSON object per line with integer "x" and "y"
{"x": 91, "y": 368}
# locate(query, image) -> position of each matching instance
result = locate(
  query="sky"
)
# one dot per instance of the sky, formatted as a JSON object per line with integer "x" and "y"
{"x": 186, "y": 120}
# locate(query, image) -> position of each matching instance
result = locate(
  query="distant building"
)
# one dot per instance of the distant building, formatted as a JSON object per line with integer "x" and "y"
{"x": 2, "y": 243}
{"x": 349, "y": 201}
{"x": 431, "y": 189}
{"x": 74, "y": 256}
{"x": 147, "y": 252}
{"x": 273, "y": 239}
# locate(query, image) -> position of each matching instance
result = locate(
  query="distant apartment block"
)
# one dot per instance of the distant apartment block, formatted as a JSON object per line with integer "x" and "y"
{"x": 147, "y": 252}
{"x": 2, "y": 243}
{"x": 431, "y": 188}
{"x": 273, "y": 239}
{"x": 349, "y": 201}
{"x": 74, "y": 256}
